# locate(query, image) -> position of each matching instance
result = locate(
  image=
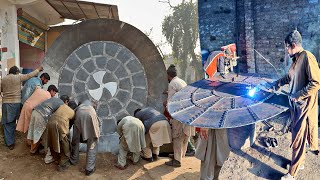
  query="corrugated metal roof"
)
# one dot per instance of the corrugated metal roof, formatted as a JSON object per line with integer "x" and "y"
{"x": 72, "y": 9}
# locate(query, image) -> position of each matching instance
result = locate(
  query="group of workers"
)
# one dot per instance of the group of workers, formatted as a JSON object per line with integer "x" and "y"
{"x": 47, "y": 120}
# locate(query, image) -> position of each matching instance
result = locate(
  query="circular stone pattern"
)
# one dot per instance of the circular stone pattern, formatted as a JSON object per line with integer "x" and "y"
{"x": 109, "y": 73}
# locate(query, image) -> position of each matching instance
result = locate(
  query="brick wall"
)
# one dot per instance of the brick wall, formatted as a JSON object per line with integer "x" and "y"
{"x": 216, "y": 23}
{"x": 260, "y": 25}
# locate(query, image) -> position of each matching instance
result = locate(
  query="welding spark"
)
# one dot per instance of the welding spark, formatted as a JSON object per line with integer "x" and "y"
{"x": 252, "y": 92}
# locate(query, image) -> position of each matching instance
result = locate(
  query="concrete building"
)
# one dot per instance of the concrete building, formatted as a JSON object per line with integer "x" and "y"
{"x": 19, "y": 31}
{"x": 25, "y": 27}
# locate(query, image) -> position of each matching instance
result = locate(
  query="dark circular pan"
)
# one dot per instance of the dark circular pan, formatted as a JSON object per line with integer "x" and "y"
{"x": 221, "y": 102}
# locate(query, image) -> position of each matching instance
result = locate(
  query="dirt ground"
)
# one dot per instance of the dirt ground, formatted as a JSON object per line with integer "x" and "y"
{"x": 257, "y": 162}
{"x": 20, "y": 164}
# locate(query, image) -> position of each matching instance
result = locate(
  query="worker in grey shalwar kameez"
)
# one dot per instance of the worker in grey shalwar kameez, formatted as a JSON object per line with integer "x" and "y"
{"x": 213, "y": 149}
{"x": 38, "y": 122}
{"x": 132, "y": 139}
{"x": 86, "y": 128}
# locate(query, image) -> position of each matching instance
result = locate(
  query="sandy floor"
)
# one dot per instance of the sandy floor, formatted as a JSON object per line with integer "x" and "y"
{"x": 259, "y": 162}
{"x": 19, "y": 164}
{"x": 254, "y": 163}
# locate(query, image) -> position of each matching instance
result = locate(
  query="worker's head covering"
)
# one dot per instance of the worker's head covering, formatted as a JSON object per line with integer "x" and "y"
{"x": 14, "y": 70}
{"x": 172, "y": 68}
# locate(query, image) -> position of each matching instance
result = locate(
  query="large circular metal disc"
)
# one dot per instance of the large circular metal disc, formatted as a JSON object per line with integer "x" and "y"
{"x": 112, "y": 62}
{"x": 225, "y": 102}
{"x": 108, "y": 73}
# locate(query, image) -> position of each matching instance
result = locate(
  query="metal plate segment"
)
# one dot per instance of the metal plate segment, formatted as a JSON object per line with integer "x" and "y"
{"x": 225, "y": 102}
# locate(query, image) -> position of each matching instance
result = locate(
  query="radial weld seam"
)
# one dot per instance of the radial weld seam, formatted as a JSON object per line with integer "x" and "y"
{"x": 194, "y": 101}
{"x": 257, "y": 102}
{"x": 233, "y": 103}
{"x": 199, "y": 105}
{"x": 205, "y": 107}
{"x": 178, "y": 100}
{"x": 223, "y": 119}
{"x": 254, "y": 115}
{"x": 244, "y": 80}
{"x": 201, "y": 98}
{"x": 203, "y": 111}
{"x": 195, "y": 116}
{"x": 184, "y": 108}
{"x": 278, "y": 106}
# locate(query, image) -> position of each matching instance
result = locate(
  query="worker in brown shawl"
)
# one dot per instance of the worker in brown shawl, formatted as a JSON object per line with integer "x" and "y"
{"x": 304, "y": 82}
{"x": 58, "y": 129}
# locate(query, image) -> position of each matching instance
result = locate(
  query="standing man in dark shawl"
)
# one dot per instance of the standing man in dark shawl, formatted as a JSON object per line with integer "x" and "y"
{"x": 86, "y": 128}
{"x": 304, "y": 82}
{"x": 158, "y": 132}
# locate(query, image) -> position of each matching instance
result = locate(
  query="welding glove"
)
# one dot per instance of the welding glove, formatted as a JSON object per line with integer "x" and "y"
{"x": 275, "y": 85}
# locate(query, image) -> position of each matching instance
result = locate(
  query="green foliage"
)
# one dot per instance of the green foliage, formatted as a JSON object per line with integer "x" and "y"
{"x": 181, "y": 31}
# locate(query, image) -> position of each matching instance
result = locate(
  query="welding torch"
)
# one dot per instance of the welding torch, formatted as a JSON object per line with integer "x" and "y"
{"x": 265, "y": 86}
{"x": 262, "y": 86}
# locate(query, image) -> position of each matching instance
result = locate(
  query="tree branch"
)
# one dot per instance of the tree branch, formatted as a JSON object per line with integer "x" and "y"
{"x": 168, "y": 1}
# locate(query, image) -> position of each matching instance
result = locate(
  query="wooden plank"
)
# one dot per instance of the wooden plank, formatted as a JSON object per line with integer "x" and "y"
{"x": 74, "y": 9}
{"x": 107, "y": 11}
{"x": 89, "y": 11}
{"x": 60, "y": 8}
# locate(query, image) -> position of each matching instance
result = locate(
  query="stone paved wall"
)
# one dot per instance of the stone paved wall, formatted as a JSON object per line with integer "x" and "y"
{"x": 111, "y": 62}
{"x": 260, "y": 25}
{"x": 108, "y": 73}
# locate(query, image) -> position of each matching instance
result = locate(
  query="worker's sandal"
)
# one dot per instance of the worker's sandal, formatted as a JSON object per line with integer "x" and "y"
{"x": 147, "y": 159}
{"x": 120, "y": 167}
{"x": 173, "y": 163}
{"x": 274, "y": 142}
{"x": 287, "y": 177}
{"x": 300, "y": 168}
{"x": 267, "y": 141}
{"x": 89, "y": 172}
{"x": 155, "y": 157}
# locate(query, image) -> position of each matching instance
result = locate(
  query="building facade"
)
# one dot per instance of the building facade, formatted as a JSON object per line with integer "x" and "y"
{"x": 24, "y": 25}
{"x": 258, "y": 28}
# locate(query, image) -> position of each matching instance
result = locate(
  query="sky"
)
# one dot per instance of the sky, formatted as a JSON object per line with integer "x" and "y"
{"x": 144, "y": 15}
